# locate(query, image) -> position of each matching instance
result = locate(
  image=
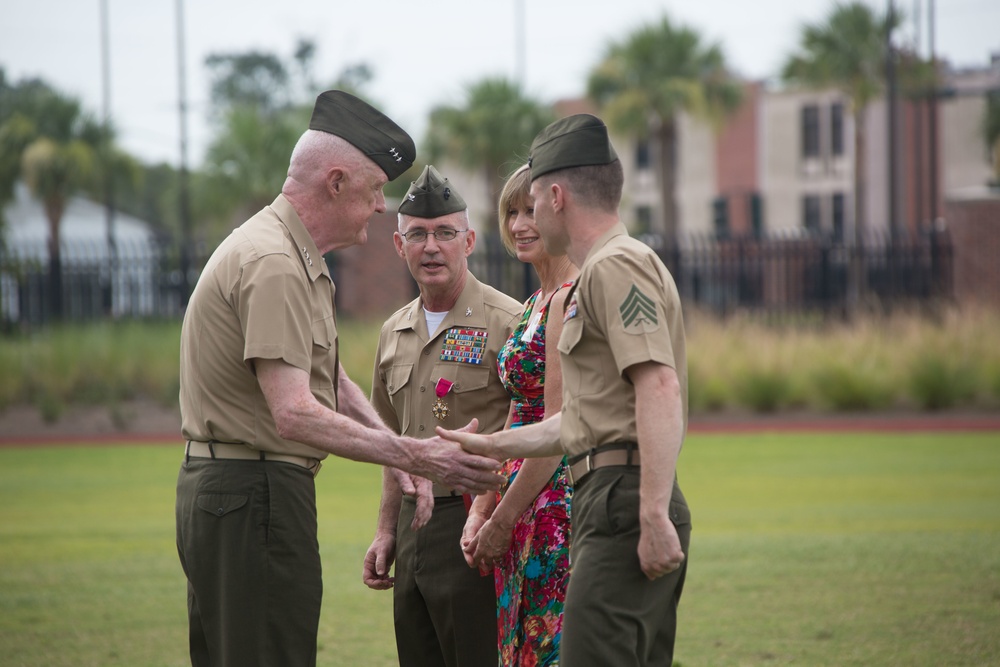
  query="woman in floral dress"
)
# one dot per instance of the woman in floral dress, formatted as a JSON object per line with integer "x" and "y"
{"x": 523, "y": 533}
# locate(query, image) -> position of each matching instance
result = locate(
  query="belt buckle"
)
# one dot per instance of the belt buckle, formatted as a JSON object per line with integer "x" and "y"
{"x": 589, "y": 460}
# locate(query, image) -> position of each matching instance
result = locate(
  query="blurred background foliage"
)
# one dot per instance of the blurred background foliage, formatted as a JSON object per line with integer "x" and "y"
{"x": 903, "y": 362}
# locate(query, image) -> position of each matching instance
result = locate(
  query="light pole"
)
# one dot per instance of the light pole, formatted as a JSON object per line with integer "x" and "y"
{"x": 893, "y": 123}
{"x": 106, "y": 159}
{"x": 185, "y": 204}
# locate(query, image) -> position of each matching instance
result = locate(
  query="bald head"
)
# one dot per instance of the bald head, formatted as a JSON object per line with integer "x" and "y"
{"x": 316, "y": 153}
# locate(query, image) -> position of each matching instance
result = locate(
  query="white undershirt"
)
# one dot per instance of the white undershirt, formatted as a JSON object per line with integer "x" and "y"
{"x": 433, "y": 321}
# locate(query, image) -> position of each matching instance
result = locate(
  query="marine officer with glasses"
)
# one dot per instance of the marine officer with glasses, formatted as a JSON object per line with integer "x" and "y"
{"x": 436, "y": 364}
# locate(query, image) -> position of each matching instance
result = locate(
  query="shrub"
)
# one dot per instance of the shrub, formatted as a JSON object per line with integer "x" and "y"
{"x": 762, "y": 390}
{"x": 935, "y": 384}
{"x": 843, "y": 387}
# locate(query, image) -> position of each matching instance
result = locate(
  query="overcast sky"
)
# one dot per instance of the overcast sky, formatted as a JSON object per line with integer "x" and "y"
{"x": 422, "y": 53}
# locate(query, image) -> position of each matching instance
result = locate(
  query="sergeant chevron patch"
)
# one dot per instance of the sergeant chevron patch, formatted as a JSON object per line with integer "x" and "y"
{"x": 638, "y": 312}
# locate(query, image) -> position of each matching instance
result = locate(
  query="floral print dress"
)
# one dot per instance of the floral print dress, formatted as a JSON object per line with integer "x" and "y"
{"x": 532, "y": 576}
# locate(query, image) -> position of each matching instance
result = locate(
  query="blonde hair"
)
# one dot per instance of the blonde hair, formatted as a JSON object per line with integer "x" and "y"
{"x": 515, "y": 192}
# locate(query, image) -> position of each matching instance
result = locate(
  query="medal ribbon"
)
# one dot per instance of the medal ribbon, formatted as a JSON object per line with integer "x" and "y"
{"x": 442, "y": 387}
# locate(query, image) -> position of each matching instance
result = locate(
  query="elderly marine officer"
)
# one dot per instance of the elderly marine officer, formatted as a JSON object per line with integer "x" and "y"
{"x": 264, "y": 399}
{"x": 436, "y": 365}
{"x": 624, "y": 408}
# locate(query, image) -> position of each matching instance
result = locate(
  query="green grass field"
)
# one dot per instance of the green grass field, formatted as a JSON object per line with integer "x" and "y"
{"x": 846, "y": 549}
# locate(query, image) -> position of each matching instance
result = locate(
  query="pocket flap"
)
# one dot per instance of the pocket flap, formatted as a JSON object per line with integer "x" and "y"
{"x": 221, "y": 504}
{"x": 474, "y": 378}
{"x": 571, "y": 334}
{"x": 324, "y": 333}
{"x": 399, "y": 376}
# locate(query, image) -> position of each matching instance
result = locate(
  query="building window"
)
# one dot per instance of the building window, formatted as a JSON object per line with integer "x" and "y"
{"x": 642, "y": 154}
{"x": 837, "y": 209}
{"x": 837, "y": 128}
{"x": 810, "y": 131}
{"x": 811, "y": 216}
{"x": 643, "y": 219}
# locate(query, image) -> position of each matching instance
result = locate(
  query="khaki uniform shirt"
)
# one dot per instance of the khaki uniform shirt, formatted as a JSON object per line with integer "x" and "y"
{"x": 409, "y": 364}
{"x": 624, "y": 310}
{"x": 265, "y": 293}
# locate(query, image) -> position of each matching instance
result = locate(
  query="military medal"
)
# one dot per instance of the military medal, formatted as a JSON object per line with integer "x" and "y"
{"x": 440, "y": 408}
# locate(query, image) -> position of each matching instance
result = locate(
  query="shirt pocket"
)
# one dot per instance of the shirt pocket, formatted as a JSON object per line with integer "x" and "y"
{"x": 323, "y": 362}
{"x": 569, "y": 341}
{"x": 396, "y": 381}
{"x": 571, "y": 334}
{"x": 470, "y": 397}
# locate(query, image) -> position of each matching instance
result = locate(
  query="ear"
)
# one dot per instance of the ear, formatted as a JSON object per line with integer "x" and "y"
{"x": 470, "y": 241}
{"x": 336, "y": 181}
{"x": 397, "y": 240}
{"x": 558, "y": 197}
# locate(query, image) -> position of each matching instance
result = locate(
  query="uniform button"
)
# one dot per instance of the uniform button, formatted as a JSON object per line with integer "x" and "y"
{"x": 220, "y": 511}
{"x": 423, "y": 388}
{"x": 421, "y": 427}
{"x": 390, "y": 387}
{"x": 457, "y": 386}
{"x": 426, "y": 352}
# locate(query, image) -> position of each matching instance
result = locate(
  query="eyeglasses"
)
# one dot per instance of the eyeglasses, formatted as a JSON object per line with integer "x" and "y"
{"x": 444, "y": 234}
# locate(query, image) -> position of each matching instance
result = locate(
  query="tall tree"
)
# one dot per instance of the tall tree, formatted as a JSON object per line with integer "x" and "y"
{"x": 246, "y": 164}
{"x": 645, "y": 82}
{"x": 846, "y": 51}
{"x": 260, "y": 104}
{"x": 490, "y": 133}
{"x": 52, "y": 145}
{"x": 991, "y": 132}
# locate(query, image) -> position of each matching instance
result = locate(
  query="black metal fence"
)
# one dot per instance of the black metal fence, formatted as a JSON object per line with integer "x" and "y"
{"x": 774, "y": 275}
{"x": 135, "y": 282}
{"x": 778, "y": 274}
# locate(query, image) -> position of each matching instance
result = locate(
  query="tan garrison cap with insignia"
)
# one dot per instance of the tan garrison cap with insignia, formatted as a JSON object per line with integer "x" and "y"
{"x": 431, "y": 196}
{"x": 366, "y": 128}
{"x": 575, "y": 141}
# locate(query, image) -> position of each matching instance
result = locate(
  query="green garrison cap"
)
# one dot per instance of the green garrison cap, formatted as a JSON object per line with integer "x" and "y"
{"x": 366, "y": 128}
{"x": 574, "y": 141}
{"x": 431, "y": 196}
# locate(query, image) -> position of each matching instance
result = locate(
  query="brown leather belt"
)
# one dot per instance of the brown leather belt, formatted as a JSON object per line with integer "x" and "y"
{"x": 611, "y": 454}
{"x": 226, "y": 450}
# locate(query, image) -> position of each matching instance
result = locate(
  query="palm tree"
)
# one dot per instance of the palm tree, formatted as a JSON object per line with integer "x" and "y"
{"x": 491, "y": 133}
{"x": 247, "y": 162}
{"x": 847, "y": 52}
{"x": 50, "y": 144}
{"x": 642, "y": 85}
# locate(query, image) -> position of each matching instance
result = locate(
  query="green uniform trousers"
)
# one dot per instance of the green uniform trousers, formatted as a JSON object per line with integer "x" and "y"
{"x": 445, "y": 612}
{"x": 246, "y": 536}
{"x": 614, "y": 615}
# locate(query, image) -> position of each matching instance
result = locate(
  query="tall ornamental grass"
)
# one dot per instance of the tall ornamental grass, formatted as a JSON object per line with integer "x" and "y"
{"x": 903, "y": 361}
{"x": 898, "y": 362}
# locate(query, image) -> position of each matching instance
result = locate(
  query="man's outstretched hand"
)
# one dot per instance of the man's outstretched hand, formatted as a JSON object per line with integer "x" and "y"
{"x": 444, "y": 461}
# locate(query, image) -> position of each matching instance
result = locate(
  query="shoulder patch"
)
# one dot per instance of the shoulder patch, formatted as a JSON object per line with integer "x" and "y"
{"x": 638, "y": 312}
